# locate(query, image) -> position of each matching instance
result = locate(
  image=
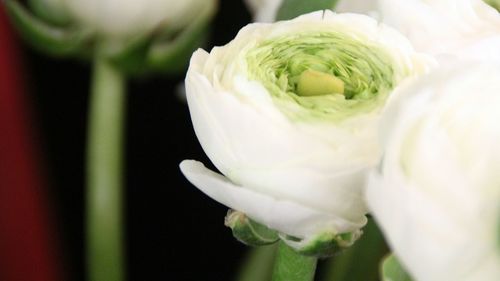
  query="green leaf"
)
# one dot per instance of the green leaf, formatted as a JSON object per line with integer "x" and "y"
{"x": 293, "y": 8}
{"x": 248, "y": 231}
{"x": 361, "y": 261}
{"x": 50, "y": 39}
{"x": 258, "y": 265}
{"x": 391, "y": 270}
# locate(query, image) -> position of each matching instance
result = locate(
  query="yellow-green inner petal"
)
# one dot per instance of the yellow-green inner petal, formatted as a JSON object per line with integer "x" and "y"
{"x": 315, "y": 83}
{"x": 327, "y": 75}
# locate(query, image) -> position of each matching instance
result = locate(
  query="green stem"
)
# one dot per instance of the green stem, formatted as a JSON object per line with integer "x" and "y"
{"x": 258, "y": 265}
{"x": 292, "y": 266}
{"x": 105, "y": 253}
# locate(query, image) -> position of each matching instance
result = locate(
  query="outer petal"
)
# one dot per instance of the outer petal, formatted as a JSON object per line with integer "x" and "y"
{"x": 285, "y": 216}
{"x": 437, "y": 193}
{"x": 463, "y": 28}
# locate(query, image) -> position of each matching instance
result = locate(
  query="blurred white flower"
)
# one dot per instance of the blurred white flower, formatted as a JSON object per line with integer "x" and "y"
{"x": 288, "y": 112}
{"x": 264, "y": 10}
{"x": 124, "y": 18}
{"x": 446, "y": 28}
{"x": 368, "y": 7}
{"x": 437, "y": 193}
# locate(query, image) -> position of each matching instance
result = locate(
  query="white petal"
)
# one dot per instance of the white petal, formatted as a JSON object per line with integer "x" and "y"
{"x": 282, "y": 215}
{"x": 440, "y": 174}
{"x": 446, "y": 27}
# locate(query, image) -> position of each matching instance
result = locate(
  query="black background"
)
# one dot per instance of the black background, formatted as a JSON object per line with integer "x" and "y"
{"x": 173, "y": 231}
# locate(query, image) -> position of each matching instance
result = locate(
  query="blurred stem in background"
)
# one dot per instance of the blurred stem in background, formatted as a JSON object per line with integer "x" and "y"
{"x": 105, "y": 253}
{"x": 258, "y": 265}
{"x": 361, "y": 261}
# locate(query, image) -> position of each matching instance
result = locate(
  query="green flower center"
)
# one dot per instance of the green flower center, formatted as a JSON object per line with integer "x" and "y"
{"x": 325, "y": 75}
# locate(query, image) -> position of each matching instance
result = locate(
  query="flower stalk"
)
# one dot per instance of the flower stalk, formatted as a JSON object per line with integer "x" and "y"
{"x": 105, "y": 253}
{"x": 292, "y": 266}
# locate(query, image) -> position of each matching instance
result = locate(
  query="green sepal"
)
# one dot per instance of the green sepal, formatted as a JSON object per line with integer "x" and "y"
{"x": 323, "y": 245}
{"x": 44, "y": 37}
{"x": 53, "y": 15}
{"x": 290, "y": 9}
{"x": 248, "y": 231}
{"x": 391, "y": 270}
{"x": 170, "y": 53}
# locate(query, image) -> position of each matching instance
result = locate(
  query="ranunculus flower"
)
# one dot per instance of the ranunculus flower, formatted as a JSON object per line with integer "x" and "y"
{"x": 122, "y": 18}
{"x": 458, "y": 28}
{"x": 288, "y": 112}
{"x": 437, "y": 192}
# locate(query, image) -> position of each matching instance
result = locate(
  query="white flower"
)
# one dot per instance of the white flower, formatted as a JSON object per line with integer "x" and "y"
{"x": 124, "y": 18}
{"x": 264, "y": 10}
{"x": 368, "y": 7}
{"x": 437, "y": 194}
{"x": 446, "y": 28}
{"x": 288, "y": 112}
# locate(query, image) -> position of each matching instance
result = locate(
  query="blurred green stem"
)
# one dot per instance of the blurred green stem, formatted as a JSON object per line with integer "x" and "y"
{"x": 258, "y": 265}
{"x": 361, "y": 261}
{"x": 105, "y": 253}
{"x": 292, "y": 266}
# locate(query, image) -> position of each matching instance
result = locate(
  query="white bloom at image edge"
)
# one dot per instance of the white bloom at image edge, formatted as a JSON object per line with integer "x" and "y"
{"x": 290, "y": 162}
{"x": 267, "y": 10}
{"x": 436, "y": 195}
{"x": 123, "y": 18}
{"x": 467, "y": 29}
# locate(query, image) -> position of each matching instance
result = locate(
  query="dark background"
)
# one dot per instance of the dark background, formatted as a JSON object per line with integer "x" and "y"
{"x": 174, "y": 232}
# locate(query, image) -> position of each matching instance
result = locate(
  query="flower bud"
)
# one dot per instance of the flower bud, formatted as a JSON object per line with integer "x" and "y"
{"x": 294, "y": 156}
{"x": 125, "y": 18}
{"x": 138, "y": 36}
{"x": 437, "y": 193}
